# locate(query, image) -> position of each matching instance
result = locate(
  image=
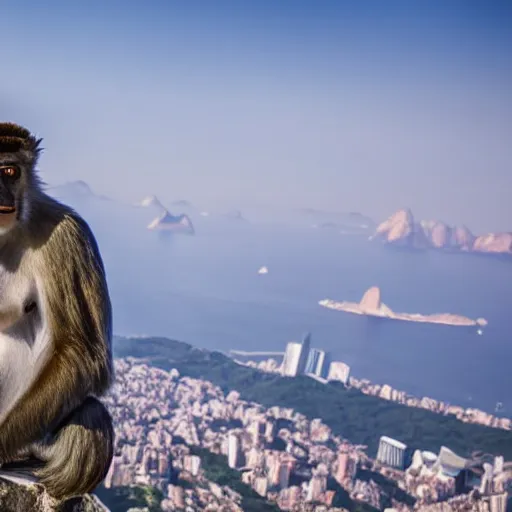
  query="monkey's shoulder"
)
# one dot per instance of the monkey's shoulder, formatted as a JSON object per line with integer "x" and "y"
{"x": 73, "y": 281}
{"x": 70, "y": 237}
{"x": 54, "y": 222}
{"x": 70, "y": 264}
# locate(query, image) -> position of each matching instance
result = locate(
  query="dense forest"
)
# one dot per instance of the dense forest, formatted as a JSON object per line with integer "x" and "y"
{"x": 121, "y": 499}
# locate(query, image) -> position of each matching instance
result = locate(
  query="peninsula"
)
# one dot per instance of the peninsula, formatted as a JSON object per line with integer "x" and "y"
{"x": 371, "y": 305}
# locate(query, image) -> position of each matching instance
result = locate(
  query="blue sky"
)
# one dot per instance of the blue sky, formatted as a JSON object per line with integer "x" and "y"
{"x": 366, "y": 106}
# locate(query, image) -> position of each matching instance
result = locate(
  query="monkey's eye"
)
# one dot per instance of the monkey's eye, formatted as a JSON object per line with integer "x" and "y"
{"x": 30, "y": 307}
{"x": 10, "y": 171}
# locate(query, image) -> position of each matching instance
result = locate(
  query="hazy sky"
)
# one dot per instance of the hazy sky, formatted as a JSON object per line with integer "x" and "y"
{"x": 366, "y": 106}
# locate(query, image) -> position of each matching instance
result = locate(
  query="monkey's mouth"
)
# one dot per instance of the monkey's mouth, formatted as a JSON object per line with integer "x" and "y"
{"x": 7, "y": 209}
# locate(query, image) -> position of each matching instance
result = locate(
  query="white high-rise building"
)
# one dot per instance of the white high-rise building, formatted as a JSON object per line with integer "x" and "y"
{"x": 498, "y": 464}
{"x": 449, "y": 463}
{"x": 498, "y": 502}
{"x": 304, "y": 353}
{"x": 292, "y": 359}
{"x": 284, "y": 472}
{"x": 391, "y": 452}
{"x": 339, "y": 371}
{"x": 234, "y": 449}
{"x": 315, "y": 362}
{"x": 487, "y": 479}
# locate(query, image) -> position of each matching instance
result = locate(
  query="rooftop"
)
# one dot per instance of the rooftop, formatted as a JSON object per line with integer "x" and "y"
{"x": 393, "y": 442}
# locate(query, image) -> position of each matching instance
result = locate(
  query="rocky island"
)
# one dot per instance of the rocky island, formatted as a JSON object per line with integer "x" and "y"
{"x": 402, "y": 230}
{"x": 172, "y": 223}
{"x": 371, "y": 305}
{"x": 151, "y": 201}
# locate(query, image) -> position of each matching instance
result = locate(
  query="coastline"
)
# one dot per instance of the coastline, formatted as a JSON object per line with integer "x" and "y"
{"x": 386, "y": 392}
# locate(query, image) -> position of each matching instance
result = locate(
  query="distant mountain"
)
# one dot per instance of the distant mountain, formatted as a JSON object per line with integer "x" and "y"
{"x": 401, "y": 229}
{"x": 172, "y": 223}
{"x": 234, "y": 215}
{"x": 497, "y": 243}
{"x": 345, "y": 222}
{"x": 74, "y": 190}
{"x": 150, "y": 201}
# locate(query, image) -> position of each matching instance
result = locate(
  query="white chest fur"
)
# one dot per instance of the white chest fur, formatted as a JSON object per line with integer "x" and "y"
{"x": 24, "y": 340}
{"x": 15, "y": 289}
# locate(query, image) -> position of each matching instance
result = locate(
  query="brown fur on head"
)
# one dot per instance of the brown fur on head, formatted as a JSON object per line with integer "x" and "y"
{"x": 16, "y": 139}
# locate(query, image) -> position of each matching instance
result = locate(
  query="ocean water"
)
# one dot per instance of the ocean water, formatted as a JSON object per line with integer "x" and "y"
{"x": 205, "y": 290}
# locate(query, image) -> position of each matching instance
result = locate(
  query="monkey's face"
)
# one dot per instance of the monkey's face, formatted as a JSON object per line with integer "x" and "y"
{"x": 19, "y": 151}
{"x": 11, "y": 184}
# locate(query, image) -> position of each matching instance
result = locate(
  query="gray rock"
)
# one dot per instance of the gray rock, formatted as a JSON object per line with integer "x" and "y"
{"x": 34, "y": 498}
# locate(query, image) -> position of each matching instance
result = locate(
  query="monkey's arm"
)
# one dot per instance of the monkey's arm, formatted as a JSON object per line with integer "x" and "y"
{"x": 77, "y": 308}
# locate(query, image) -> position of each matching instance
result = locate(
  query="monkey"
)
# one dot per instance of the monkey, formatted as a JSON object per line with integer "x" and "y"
{"x": 55, "y": 331}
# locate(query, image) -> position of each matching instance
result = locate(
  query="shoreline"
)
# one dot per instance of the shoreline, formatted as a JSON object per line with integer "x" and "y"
{"x": 386, "y": 392}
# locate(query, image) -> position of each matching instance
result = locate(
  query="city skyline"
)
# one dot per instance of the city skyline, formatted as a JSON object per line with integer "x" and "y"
{"x": 339, "y": 107}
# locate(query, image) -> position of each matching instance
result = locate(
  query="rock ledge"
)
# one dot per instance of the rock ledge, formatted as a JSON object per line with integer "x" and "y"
{"x": 34, "y": 498}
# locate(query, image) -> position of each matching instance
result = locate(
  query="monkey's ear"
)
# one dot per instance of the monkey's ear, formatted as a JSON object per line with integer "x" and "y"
{"x": 32, "y": 150}
{"x": 36, "y": 147}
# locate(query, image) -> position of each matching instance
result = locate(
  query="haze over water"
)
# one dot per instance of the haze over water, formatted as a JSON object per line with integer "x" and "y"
{"x": 205, "y": 290}
{"x": 333, "y": 105}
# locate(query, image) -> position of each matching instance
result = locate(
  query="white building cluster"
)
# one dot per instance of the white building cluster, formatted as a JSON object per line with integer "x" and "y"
{"x": 160, "y": 417}
{"x": 300, "y": 358}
